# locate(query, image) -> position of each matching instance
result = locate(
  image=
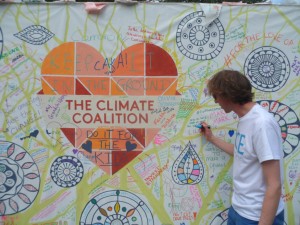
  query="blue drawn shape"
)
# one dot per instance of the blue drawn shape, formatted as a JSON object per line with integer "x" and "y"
{"x": 116, "y": 207}
{"x": 288, "y": 122}
{"x": 198, "y": 41}
{"x": 188, "y": 168}
{"x": 66, "y": 171}
{"x": 268, "y": 68}
{"x": 20, "y": 179}
{"x": 32, "y": 134}
{"x": 130, "y": 146}
{"x": 87, "y": 146}
{"x": 1, "y": 42}
{"x": 231, "y": 133}
{"x": 35, "y": 34}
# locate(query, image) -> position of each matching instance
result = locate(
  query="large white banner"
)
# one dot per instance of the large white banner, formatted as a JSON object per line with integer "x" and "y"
{"x": 99, "y": 106}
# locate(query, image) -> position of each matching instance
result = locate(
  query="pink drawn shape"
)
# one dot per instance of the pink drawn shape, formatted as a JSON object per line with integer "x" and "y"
{"x": 196, "y": 172}
{"x": 20, "y": 156}
{"x": 27, "y": 165}
{"x": 160, "y": 139}
{"x": 24, "y": 198}
{"x": 10, "y": 150}
{"x": 93, "y": 7}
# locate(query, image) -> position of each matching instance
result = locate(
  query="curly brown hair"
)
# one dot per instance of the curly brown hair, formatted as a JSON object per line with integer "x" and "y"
{"x": 232, "y": 85}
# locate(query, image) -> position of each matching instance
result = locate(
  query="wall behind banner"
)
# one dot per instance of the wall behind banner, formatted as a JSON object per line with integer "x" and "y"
{"x": 98, "y": 111}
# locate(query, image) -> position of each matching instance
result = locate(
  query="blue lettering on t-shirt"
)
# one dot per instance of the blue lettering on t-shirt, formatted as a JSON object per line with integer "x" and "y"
{"x": 239, "y": 142}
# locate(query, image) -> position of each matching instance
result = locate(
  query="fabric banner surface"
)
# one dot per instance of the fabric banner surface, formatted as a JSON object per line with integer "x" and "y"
{"x": 99, "y": 104}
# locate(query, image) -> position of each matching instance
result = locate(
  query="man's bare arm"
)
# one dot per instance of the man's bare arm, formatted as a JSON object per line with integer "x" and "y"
{"x": 271, "y": 172}
{"x": 223, "y": 145}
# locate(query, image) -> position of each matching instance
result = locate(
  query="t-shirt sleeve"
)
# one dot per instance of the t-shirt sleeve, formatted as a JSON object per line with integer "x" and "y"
{"x": 267, "y": 142}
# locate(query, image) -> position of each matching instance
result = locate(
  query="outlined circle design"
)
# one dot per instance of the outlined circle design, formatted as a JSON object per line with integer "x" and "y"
{"x": 19, "y": 179}
{"x": 221, "y": 218}
{"x": 66, "y": 171}
{"x": 197, "y": 41}
{"x": 11, "y": 177}
{"x": 116, "y": 207}
{"x": 268, "y": 68}
{"x": 288, "y": 122}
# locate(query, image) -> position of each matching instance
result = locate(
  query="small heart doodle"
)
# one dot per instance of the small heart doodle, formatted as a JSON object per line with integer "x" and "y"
{"x": 130, "y": 146}
{"x": 231, "y": 133}
{"x": 32, "y": 134}
{"x": 87, "y": 146}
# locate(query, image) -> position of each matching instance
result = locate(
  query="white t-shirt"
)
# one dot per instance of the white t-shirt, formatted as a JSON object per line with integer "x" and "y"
{"x": 258, "y": 139}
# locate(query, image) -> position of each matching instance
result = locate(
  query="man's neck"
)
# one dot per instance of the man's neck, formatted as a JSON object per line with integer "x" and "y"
{"x": 242, "y": 110}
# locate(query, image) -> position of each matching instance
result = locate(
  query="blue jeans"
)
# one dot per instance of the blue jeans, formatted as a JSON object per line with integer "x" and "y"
{"x": 235, "y": 219}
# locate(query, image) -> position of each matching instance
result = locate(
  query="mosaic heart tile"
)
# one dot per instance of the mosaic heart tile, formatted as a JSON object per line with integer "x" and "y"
{"x": 142, "y": 77}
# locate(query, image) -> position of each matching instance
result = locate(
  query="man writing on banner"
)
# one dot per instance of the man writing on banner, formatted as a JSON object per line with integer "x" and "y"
{"x": 257, "y": 152}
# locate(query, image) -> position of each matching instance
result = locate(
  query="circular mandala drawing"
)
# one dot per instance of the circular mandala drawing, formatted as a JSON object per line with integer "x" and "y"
{"x": 288, "y": 122}
{"x": 268, "y": 68}
{"x": 197, "y": 41}
{"x": 66, "y": 171}
{"x": 116, "y": 207}
{"x": 19, "y": 179}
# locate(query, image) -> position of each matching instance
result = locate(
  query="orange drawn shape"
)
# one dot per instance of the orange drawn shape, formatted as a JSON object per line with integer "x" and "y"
{"x": 89, "y": 61}
{"x": 159, "y": 62}
{"x": 172, "y": 90}
{"x": 62, "y": 85}
{"x": 130, "y": 62}
{"x": 150, "y": 134}
{"x": 46, "y": 88}
{"x": 180, "y": 170}
{"x": 133, "y": 86}
{"x": 96, "y": 85}
{"x": 158, "y": 85}
{"x": 102, "y": 159}
{"x": 60, "y": 61}
{"x": 116, "y": 89}
{"x": 130, "y": 213}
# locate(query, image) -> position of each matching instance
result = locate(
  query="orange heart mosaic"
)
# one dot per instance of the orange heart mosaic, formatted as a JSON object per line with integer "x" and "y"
{"x": 110, "y": 108}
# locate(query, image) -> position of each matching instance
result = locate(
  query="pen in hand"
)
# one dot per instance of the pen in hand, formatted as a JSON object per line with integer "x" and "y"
{"x": 200, "y": 126}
